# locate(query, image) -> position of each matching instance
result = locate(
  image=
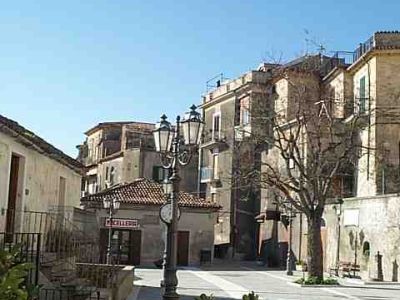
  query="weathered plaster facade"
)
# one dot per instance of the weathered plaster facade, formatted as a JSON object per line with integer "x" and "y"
{"x": 376, "y": 228}
{"x": 199, "y": 223}
{"x": 39, "y": 177}
{"x": 120, "y": 152}
{"x": 228, "y": 114}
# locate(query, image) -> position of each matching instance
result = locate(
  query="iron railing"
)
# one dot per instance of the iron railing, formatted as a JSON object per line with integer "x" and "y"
{"x": 28, "y": 246}
{"x": 66, "y": 294}
{"x": 363, "y": 48}
{"x": 62, "y": 245}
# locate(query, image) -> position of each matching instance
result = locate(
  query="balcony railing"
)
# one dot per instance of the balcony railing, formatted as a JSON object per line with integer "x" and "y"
{"x": 215, "y": 140}
{"x": 363, "y": 48}
{"x": 242, "y": 131}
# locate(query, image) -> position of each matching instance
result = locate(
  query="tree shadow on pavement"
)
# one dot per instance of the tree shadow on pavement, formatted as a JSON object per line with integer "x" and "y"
{"x": 154, "y": 293}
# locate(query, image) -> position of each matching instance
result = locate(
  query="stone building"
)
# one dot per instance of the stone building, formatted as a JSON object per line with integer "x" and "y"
{"x": 137, "y": 231}
{"x": 34, "y": 176}
{"x": 365, "y": 86}
{"x": 120, "y": 152}
{"x": 224, "y": 152}
{"x": 369, "y": 217}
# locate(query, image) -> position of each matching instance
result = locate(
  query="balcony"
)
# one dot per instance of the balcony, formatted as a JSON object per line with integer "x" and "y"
{"x": 242, "y": 132}
{"x": 363, "y": 48}
{"x": 212, "y": 140}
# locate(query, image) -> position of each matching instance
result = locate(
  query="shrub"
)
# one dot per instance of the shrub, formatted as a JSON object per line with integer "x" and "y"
{"x": 250, "y": 296}
{"x": 13, "y": 276}
{"x": 317, "y": 280}
{"x": 205, "y": 297}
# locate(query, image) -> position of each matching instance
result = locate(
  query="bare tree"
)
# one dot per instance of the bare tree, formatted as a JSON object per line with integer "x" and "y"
{"x": 309, "y": 144}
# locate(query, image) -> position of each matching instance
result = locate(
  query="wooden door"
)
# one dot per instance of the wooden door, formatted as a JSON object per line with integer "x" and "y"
{"x": 103, "y": 245}
{"x": 136, "y": 245}
{"x": 183, "y": 248}
{"x": 12, "y": 194}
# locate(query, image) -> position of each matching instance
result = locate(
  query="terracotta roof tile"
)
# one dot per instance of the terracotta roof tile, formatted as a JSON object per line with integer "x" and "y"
{"x": 27, "y": 138}
{"x": 145, "y": 192}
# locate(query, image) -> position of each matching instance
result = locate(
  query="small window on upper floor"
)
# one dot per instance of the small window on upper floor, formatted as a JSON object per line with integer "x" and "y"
{"x": 112, "y": 176}
{"x": 216, "y": 129}
{"x": 245, "y": 116}
{"x": 362, "y": 96}
{"x": 159, "y": 174}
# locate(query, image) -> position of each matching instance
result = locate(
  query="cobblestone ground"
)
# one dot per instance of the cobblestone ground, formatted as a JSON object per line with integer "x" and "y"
{"x": 231, "y": 282}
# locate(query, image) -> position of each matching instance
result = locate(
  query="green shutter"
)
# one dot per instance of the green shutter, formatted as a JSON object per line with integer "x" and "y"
{"x": 362, "y": 94}
{"x": 155, "y": 173}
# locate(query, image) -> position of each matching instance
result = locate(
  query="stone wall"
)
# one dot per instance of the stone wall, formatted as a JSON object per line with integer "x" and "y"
{"x": 378, "y": 229}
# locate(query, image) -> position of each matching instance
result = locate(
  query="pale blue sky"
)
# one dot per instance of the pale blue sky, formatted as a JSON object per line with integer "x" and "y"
{"x": 67, "y": 65}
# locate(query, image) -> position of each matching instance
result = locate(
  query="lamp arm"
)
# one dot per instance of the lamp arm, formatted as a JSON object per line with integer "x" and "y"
{"x": 184, "y": 157}
{"x": 166, "y": 161}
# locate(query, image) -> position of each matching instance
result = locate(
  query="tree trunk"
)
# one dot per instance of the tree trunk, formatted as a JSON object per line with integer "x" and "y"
{"x": 314, "y": 247}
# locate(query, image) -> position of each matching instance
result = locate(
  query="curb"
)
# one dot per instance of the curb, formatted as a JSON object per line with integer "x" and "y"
{"x": 313, "y": 285}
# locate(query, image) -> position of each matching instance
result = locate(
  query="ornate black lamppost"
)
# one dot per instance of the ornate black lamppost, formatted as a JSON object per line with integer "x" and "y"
{"x": 112, "y": 205}
{"x": 175, "y": 150}
{"x": 290, "y": 215}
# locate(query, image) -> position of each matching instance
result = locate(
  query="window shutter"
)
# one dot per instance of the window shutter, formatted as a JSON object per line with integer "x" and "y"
{"x": 362, "y": 94}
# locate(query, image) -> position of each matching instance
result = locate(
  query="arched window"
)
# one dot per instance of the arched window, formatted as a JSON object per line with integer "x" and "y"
{"x": 366, "y": 249}
{"x": 112, "y": 175}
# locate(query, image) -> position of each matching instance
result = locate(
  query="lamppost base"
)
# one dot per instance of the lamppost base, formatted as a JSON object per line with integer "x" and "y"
{"x": 289, "y": 273}
{"x": 171, "y": 296}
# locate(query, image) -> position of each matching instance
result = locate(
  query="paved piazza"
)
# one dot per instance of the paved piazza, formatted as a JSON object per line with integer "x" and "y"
{"x": 233, "y": 282}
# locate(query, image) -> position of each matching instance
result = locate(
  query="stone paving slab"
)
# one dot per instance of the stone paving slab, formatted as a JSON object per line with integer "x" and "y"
{"x": 230, "y": 283}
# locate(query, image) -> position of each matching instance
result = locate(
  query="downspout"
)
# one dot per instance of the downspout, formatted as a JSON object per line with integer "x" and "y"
{"x": 234, "y": 191}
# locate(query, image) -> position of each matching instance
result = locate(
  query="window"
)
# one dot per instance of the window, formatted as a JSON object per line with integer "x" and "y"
{"x": 245, "y": 116}
{"x": 159, "y": 173}
{"x": 362, "y": 95}
{"x": 112, "y": 175}
{"x": 107, "y": 169}
{"x": 215, "y": 166}
{"x": 61, "y": 191}
{"x": 214, "y": 198}
{"x": 216, "y": 125}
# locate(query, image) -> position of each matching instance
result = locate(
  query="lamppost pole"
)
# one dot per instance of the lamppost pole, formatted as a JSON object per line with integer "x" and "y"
{"x": 111, "y": 205}
{"x": 289, "y": 270}
{"x": 338, "y": 214}
{"x": 110, "y": 214}
{"x": 170, "y": 278}
{"x": 168, "y": 143}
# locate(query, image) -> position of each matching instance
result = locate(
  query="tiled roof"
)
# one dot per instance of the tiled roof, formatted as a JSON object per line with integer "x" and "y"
{"x": 28, "y": 138}
{"x": 145, "y": 192}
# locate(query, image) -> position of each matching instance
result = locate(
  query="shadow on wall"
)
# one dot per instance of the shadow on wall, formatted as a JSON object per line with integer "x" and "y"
{"x": 395, "y": 277}
{"x": 274, "y": 255}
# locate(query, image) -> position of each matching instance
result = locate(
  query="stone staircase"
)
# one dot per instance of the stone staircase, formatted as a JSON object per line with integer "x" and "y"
{"x": 62, "y": 245}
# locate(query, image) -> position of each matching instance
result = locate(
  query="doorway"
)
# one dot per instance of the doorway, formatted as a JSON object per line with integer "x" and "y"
{"x": 12, "y": 193}
{"x": 183, "y": 248}
{"x": 125, "y": 245}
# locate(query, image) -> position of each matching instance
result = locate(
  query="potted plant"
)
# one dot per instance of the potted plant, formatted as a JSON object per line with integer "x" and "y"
{"x": 301, "y": 266}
